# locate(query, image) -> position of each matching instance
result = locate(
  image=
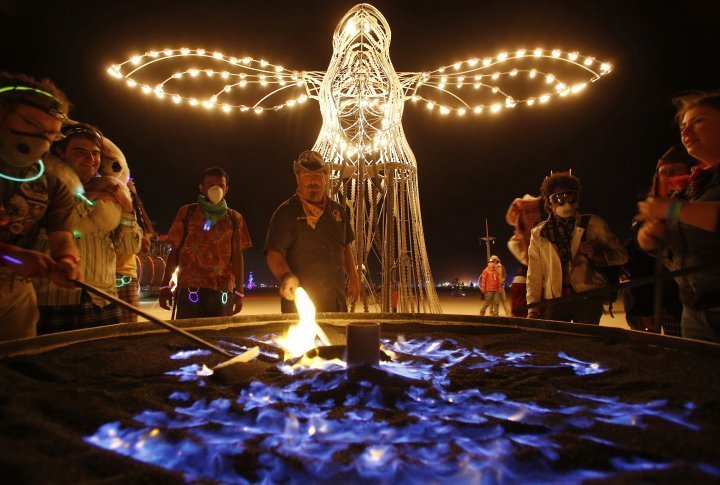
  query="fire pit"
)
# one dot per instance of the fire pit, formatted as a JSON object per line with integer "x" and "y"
{"x": 454, "y": 399}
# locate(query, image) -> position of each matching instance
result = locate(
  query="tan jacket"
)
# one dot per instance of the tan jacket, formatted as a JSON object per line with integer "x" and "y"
{"x": 544, "y": 276}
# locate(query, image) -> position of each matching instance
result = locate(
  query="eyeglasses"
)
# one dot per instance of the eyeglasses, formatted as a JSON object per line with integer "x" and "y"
{"x": 562, "y": 198}
{"x": 50, "y": 135}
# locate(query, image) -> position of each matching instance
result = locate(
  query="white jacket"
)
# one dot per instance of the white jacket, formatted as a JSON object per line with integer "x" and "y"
{"x": 544, "y": 276}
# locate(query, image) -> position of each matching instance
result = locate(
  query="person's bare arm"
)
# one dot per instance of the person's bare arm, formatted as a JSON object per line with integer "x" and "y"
{"x": 281, "y": 270}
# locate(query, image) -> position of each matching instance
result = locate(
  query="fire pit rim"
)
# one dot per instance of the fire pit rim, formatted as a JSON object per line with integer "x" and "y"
{"x": 49, "y": 342}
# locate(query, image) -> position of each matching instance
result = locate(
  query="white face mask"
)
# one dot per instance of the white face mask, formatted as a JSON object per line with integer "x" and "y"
{"x": 215, "y": 194}
{"x": 22, "y": 150}
{"x": 564, "y": 211}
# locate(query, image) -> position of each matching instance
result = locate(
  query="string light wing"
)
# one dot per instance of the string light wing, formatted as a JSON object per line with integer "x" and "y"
{"x": 361, "y": 99}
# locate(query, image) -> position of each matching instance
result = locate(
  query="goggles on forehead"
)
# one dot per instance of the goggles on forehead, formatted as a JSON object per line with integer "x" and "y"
{"x": 566, "y": 197}
{"x": 49, "y": 110}
{"x": 72, "y": 130}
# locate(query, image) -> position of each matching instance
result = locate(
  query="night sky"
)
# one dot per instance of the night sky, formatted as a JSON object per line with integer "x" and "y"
{"x": 470, "y": 168}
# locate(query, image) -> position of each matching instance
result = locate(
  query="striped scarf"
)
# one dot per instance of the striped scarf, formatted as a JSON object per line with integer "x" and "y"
{"x": 559, "y": 231}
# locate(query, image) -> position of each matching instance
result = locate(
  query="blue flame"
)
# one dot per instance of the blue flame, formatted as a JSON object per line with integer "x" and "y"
{"x": 429, "y": 432}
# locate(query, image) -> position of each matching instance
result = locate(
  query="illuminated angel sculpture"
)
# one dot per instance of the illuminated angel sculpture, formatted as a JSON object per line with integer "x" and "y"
{"x": 361, "y": 99}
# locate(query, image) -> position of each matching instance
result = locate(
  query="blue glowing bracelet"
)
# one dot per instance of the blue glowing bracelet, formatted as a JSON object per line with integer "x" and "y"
{"x": 673, "y": 211}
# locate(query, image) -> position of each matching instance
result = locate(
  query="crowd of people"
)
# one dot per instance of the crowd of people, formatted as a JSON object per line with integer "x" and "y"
{"x": 69, "y": 212}
{"x": 569, "y": 259}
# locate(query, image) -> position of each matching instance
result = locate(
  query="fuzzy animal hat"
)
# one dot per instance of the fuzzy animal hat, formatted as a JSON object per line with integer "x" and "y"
{"x": 113, "y": 162}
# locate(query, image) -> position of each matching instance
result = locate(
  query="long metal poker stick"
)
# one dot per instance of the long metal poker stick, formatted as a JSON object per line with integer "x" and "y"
{"x": 155, "y": 320}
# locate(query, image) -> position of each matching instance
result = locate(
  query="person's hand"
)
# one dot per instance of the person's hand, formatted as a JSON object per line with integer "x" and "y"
{"x": 66, "y": 268}
{"x": 654, "y": 208}
{"x": 353, "y": 290}
{"x": 289, "y": 285}
{"x": 166, "y": 297}
{"x": 586, "y": 248}
{"x": 27, "y": 263}
{"x": 650, "y": 234}
{"x": 122, "y": 198}
{"x": 237, "y": 302}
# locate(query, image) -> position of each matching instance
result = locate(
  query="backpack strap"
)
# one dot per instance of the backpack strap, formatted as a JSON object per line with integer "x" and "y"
{"x": 188, "y": 214}
{"x": 584, "y": 221}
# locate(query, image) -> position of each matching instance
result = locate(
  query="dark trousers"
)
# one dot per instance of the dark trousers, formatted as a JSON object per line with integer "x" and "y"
{"x": 204, "y": 302}
{"x": 587, "y": 310}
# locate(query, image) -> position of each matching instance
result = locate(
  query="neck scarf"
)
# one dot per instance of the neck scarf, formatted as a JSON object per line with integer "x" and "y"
{"x": 559, "y": 231}
{"x": 313, "y": 210}
{"x": 213, "y": 212}
{"x": 699, "y": 176}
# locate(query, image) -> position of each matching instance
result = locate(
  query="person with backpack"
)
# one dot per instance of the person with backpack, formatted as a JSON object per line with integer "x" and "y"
{"x": 208, "y": 239}
{"x": 569, "y": 253}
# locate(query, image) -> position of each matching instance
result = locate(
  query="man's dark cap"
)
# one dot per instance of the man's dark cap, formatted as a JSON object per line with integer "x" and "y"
{"x": 310, "y": 161}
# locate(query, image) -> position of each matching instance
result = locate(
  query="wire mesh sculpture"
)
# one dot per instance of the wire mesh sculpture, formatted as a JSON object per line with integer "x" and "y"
{"x": 361, "y": 98}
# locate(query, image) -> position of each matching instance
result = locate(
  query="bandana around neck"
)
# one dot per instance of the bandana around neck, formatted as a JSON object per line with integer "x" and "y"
{"x": 213, "y": 212}
{"x": 559, "y": 232}
{"x": 313, "y": 210}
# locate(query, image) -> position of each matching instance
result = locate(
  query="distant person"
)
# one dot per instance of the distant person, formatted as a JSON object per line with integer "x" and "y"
{"x": 491, "y": 282}
{"x": 31, "y": 116}
{"x": 523, "y": 214}
{"x": 670, "y": 180}
{"x": 104, "y": 223}
{"x": 566, "y": 253}
{"x": 686, "y": 234}
{"x": 208, "y": 239}
{"x": 309, "y": 241}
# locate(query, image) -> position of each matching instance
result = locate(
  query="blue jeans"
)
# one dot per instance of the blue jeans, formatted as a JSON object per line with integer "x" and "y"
{"x": 700, "y": 324}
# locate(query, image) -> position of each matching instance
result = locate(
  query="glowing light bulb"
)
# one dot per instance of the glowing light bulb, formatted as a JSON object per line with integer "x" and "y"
{"x": 514, "y": 72}
{"x": 461, "y": 112}
{"x": 146, "y": 89}
{"x": 530, "y": 101}
{"x": 217, "y": 55}
{"x": 495, "y": 76}
{"x": 184, "y": 51}
{"x": 520, "y": 53}
{"x": 193, "y": 72}
{"x": 502, "y": 56}
{"x": 588, "y": 61}
{"x": 537, "y": 52}
{"x": 457, "y": 65}
{"x": 573, "y": 56}
{"x": 430, "y": 105}
{"x": 176, "y": 99}
{"x": 200, "y": 52}
{"x": 444, "y": 110}
{"x": 549, "y": 79}
{"x": 258, "y": 110}
{"x": 532, "y": 73}
{"x": 544, "y": 98}
{"x": 473, "y": 62}
{"x": 168, "y": 52}
{"x": 136, "y": 60}
{"x": 154, "y": 54}
{"x": 495, "y": 107}
{"x": 556, "y": 52}
{"x": 487, "y": 61}
{"x": 478, "y": 110}
{"x": 193, "y": 102}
